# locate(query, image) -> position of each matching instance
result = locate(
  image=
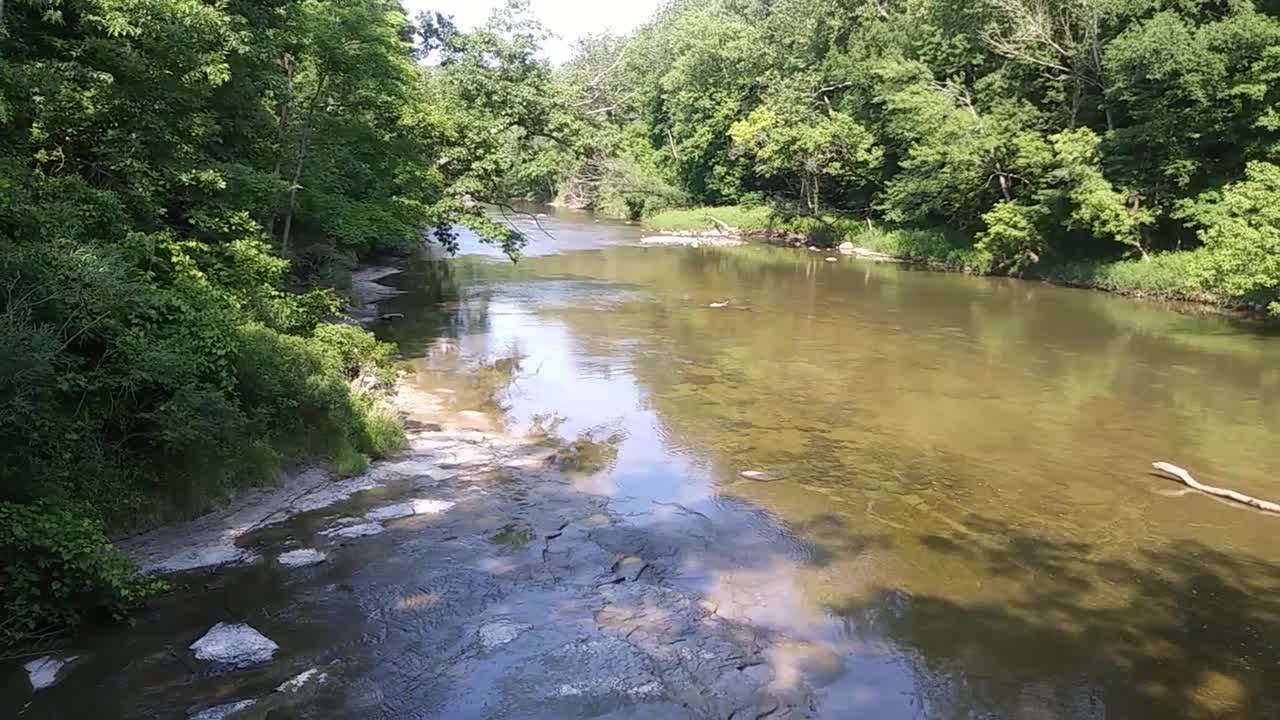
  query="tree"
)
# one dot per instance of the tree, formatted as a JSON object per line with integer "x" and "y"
{"x": 1241, "y": 232}
{"x": 816, "y": 146}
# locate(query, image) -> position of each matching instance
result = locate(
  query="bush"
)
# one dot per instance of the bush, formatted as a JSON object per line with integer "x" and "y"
{"x": 60, "y": 570}
{"x": 297, "y": 391}
{"x": 1242, "y": 235}
{"x": 1011, "y": 237}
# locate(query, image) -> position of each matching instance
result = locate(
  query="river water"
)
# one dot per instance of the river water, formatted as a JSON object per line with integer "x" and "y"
{"x": 947, "y": 478}
{"x": 964, "y": 462}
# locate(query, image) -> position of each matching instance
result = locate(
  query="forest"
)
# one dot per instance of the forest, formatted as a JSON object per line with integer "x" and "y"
{"x": 1127, "y": 144}
{"x": 187, "y": 185}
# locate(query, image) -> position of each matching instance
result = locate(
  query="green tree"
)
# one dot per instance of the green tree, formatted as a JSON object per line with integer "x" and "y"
{"x": 1241, "y": 232}
{"x": 817, "y": 147}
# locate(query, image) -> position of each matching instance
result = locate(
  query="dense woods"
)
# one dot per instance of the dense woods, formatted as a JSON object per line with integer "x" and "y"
{"x": 1031, "y": 136}
{"x": 184, "y": 187}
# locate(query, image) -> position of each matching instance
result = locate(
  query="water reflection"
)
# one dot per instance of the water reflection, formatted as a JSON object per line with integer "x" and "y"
{"x": 958, "y": 465}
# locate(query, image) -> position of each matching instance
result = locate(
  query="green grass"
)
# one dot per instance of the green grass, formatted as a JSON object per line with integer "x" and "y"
{"x": 746, "y": 219}
{"x": 1167, "y": 276}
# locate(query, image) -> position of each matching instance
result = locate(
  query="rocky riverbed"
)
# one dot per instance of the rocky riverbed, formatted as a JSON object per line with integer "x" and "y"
{"x": 468, "y": 578}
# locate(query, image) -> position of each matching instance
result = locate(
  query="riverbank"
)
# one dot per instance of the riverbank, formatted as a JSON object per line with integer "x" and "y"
{"x": 474, "y": 573}
{"x": 1167, "y": 277}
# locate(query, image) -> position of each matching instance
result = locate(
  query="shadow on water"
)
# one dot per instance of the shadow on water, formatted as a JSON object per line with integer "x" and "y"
{"x": 1192, "y": 632}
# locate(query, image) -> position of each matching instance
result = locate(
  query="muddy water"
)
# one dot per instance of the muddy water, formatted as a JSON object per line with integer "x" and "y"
{"x": 945, "y": 512}
{"x": 961, "y": 463}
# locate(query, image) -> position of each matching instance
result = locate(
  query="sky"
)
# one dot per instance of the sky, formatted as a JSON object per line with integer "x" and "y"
{"x": 569, "y": 19}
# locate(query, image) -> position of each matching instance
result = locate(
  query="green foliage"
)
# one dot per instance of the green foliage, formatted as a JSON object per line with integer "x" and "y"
{"x": 182, "y": 186}
{"x": 746, "y": 219}
{"x": 1011, "y": 237}
{"x": 1042, "y": 132}
{"x": 1167, "y": 276}
{"x": 819, "y": 148}
{"x": 1241, "y": 234}
{"x": 58, "y": 569}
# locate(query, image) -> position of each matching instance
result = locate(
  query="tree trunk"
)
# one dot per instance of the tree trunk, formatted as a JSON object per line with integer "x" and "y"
{"x": 287, "y": 64}
{"x": 1101, "y": 82}
{"x": 1004, "y": 184}
{"x": 303, "y": 145}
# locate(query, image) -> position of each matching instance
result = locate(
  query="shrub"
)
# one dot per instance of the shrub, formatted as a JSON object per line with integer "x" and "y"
{"x": 1242, "y": 234}
{"x": 1011, "y": 237}
{"x": 58, "y": 570}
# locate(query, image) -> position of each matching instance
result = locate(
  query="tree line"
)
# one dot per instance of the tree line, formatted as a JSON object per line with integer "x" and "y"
{"x": 1035, "y": 133}
{"x": 185, "y": 186}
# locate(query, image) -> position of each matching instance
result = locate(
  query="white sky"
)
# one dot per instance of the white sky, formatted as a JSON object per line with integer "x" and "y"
{"x": 569, "y": 19}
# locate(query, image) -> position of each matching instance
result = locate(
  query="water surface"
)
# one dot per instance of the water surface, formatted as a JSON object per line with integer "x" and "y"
{"x": 961, "y": 464}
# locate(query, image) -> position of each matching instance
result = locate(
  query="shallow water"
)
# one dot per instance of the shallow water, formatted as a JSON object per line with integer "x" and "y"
{"x": 947, "y": 511}
{"x": 962, "y": 463}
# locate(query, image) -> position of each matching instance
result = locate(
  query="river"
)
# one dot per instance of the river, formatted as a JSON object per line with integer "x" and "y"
{"x": 951, "y": 473}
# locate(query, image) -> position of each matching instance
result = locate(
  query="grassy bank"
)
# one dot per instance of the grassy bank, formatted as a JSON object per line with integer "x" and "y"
{"x": 1167, "y": 276}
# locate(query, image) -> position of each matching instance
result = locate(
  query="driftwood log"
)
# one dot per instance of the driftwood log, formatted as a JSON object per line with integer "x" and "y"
{"x": 1185, "y": 477}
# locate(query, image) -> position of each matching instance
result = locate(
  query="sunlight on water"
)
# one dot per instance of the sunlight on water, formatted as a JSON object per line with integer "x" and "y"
{"x": 961, "y": 462}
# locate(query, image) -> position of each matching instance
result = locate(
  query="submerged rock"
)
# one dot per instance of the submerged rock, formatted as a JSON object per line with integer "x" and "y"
{"x": 221, "y": 712}
{"x": 412, "y": 468}
{"x": 758, "y": 475}
{"x": 218, "y": 555}
{"x": 43, "y": 672}
{"x": 301, "y": 558}
{"x": 354, "y": 531}
{"x": 303, "y": 680}
{"x": 234, "y": 644}
{"x": 499, "y": 633}
{"x": 410, "y": 508}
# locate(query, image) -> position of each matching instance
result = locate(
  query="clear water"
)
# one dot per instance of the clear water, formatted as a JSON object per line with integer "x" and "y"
{"x": 962, "y": 462}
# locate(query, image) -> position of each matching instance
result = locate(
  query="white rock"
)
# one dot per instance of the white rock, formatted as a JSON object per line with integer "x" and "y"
{"x": 43, "y": 672}
{"x": 354, "y": 531}
{"x": 831, "y": 259}
{"x": 301, "y": 558}
{"x": 847, "y": 247}
{"x": 410, "y": 508}
{"x": 300, "y": 681}
{"x": 234, "y": 644}
{"x": 221, "y": 712}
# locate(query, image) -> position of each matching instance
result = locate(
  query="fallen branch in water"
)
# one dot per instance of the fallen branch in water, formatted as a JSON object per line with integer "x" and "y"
{"x": 1192, "y": 483}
